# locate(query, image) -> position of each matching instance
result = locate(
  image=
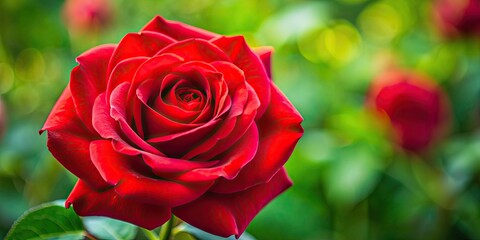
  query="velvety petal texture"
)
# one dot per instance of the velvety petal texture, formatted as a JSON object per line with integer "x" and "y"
{"x": 174, "y": 119}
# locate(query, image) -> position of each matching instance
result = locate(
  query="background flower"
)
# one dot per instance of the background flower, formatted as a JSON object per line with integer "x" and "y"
{"x": 87, "y": 16}
{"x": 414, "y": 105}
{"x": 457, "y": 18}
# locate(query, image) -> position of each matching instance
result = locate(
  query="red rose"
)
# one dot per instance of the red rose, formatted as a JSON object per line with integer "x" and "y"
{"x": 457, "y": 17}
{"x": 415, "y": 106}
{"x": 87, "y": 16}
{"x": 174, "y": 119}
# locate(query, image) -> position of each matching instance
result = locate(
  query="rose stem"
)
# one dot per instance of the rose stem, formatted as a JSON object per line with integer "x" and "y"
{"x": 166, "y": 229}
{"x": 149, "y": 234}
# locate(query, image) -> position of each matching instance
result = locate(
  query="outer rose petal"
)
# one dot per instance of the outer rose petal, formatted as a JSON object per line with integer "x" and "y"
{"x": 177, "y": 30}
{"x": 135, "y": 181}
{"x": 196, "y": 50}
{"x": 265, "y": 54}
{"x": 242, "y": 56}
{"x": 280, "y": 130}
{"x": 69, "y": 140}
{"x": 228, "y": 214}
{"x": 90, "y": 79}
{"x": 88, "y": 202}
{"x": 144, "y": 44}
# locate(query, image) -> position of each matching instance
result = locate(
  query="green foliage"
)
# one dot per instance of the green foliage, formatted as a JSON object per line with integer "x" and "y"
{"x": 187, "y": 232}
{"x": 47, "y": 221}
{"x": 107, "y": 228}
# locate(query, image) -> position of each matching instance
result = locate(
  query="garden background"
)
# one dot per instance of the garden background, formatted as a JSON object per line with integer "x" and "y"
{"x": 350, "y": 180}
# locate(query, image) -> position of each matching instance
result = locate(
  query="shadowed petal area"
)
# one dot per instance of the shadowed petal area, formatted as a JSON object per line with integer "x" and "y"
{"x": 134, "y": 180}
{"x": 160, "y": 164}
{"x": 69, "y": 140}
{"x": 177, "y": 30}
{"x": 243, "y": 57}
{"x": 265, "y": 54}
{"x": 279, "y": 130}
{"x": 233, "y": 128}
{"x": 109, "y": 128}
{"x": 88, "y": 202}
{"x": 230, "y": 214}
{"x": 239, "y": 118}
{"x": 230, "y": 162}
{"x": 90, "y": 79}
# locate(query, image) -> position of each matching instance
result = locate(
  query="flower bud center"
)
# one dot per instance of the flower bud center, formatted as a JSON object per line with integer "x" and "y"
{"x": 187, "y": 95}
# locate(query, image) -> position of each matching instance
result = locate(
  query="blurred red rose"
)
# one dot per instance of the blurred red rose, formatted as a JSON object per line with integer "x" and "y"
{"x": 87, "y": 16}
{"x": 457, "y": 17}
{"x": 415, "y": 106}
{"x": 174, "y": 119}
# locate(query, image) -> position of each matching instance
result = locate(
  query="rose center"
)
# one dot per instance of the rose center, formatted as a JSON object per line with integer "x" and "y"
{"x": 187, "y": 95}
{"x": 189, "y": 98}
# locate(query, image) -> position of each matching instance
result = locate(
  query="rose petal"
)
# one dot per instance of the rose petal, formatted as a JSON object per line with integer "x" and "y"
{"x": 143, "y": 44}
{"x": 88, "y": 202}
{"x": 177, "y": 144}
{"x": 230, "y": 214}
{"x": 280, "y": 130}
{"x": 177, "y": 30}
{"x": 156, "y": 67}
{"x": 196, "y": 50}
{"x": 124, "y": 71}
{"x": 212, "y": 82}
{"x": 68, "y": 141}
{"x": 62, "y": 111}
{"x": 233, "y": 127}
{"x": 167, "y": 101}
{"x": 265, "y": 54}
{"x": 90, "y": 79}
{"x": 133, "y": 180}
{"x": 231, "y": 162}
{"x": 161, "y": 164}
{"x": 194, "y": 77}
{"x": 95, "y": 61}
{"x": 109, "y": 128}
{"x": 242, "y": 56}
{"x": 153, "y": 123}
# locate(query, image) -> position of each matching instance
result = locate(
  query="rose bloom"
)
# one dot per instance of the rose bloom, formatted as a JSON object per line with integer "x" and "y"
{"x": 415, "y": 106}
{"x": 174, "y": 119}
{"x": 457, "y": 17}
{"x": 87, "y": 16}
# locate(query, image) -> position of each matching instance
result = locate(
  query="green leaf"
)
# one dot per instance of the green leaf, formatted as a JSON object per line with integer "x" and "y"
{"x": 107, "y": 228}
{"x": 47, "y": 221}
{"x": 201, "y": 235}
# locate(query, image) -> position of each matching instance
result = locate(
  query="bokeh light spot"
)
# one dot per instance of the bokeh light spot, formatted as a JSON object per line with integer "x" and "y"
{"x": 380, "y": 22}
{"x": 338, "y": 43}
{"x": 7, "y": 77}
{"x": 30, "y": 65}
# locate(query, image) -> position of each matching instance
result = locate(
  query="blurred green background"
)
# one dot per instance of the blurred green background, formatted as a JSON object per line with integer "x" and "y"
{"x": 351, "y": 182}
